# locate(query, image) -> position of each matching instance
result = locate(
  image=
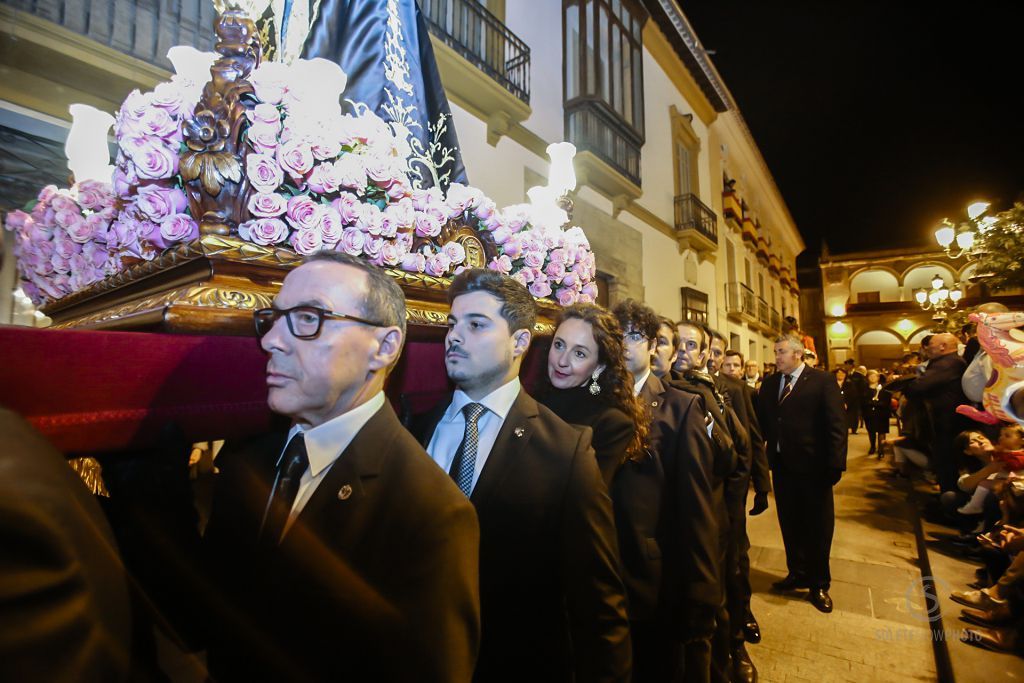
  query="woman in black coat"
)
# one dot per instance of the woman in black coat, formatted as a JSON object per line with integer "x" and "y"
{"x": 590, "y": 386}
{"x": 876, "y": 407}
{"x": 849, "y": 392}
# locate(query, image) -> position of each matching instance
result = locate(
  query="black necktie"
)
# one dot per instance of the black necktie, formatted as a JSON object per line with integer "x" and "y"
{"x": 464, "y": 463}
{"x": 293, "y": 465}
{"x": 786, "y": 388}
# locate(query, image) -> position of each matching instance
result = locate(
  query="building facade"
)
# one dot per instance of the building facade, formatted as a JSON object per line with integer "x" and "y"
{"x": 674, "y": 195}
{"x": 869, "y": 305}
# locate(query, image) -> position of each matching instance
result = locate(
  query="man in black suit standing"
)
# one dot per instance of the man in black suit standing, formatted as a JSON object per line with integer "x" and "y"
{"x": 552, "y": 600}
{"x": 667, "y": 511}
{"x": 339, "y": 550}
{"x": 801, "y": 415}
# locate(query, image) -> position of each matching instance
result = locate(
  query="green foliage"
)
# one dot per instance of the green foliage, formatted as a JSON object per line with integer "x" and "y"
{"x": 1000, "y": 251}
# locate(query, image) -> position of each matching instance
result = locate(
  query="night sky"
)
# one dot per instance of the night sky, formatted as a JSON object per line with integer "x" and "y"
{"x": 877, "y": 119}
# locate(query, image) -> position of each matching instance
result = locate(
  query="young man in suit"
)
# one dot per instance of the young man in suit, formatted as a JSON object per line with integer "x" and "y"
{"x": 801, "y": 415}
{"x": 552, "y": 600}
{"x": 668, "y": 512}
{"x": 339, "y": 549}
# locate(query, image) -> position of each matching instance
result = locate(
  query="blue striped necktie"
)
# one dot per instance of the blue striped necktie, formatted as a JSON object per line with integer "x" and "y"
{"x": 786, "y": 388}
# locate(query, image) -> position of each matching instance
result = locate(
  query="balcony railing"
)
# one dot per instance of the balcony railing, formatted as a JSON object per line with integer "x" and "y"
{"x": 593, "y": 127}
{"x": 481, "y": 38}
{"x": 776, "y": 321}
{"x": 144, "y": 29}
{"x": 693, "y": 214}
{"x": 740, "y": 300}
{"x": 763, "y": 312}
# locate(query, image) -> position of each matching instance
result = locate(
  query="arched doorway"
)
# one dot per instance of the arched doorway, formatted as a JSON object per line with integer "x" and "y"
{"x": 878, "y": 349}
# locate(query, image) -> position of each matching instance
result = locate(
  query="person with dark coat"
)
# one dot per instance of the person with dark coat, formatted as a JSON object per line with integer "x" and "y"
{"x": 801, "y": 414}
{"x": 339, "y": 550}
{"x": 64, "y": 607}
{"x": 552, "y": 597}
{"x": 856, "y": 386}
{"x": 849, "y": 395}
{"x": 940, "y": 390}
{"x": 876, "y": 407}
{"x": 591, "y": 387}
{"x": 667, "y": 513}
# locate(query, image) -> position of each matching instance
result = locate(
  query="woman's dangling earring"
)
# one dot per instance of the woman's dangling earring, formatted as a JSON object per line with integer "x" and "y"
{"x": 595, "y": 388}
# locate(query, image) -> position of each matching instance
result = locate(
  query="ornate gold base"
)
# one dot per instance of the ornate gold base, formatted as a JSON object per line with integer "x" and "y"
{"x": 213, "y": 284}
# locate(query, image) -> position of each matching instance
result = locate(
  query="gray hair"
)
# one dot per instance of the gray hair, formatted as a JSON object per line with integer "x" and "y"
{"x": 795, "y": 343}
{"x": 384, "y": 302}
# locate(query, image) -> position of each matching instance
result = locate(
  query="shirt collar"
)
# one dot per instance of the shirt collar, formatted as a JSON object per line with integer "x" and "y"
{"x": 796, "y": 373}
{"x": 325, "y": 442}
{"x": 639, "y": 383}
{"x": 498, "y": 401}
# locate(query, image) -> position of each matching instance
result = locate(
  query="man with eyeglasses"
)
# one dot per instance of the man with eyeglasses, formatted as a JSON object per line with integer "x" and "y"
{"x": 339, "y": 549}
{"x": 666, "y": 513}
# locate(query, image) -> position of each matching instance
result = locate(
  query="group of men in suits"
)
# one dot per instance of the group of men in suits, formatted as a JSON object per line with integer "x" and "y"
{"x": 483, "y": 545}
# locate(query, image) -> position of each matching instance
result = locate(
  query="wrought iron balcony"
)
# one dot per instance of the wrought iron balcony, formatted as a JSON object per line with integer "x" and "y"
{"x": 776, "y": 321}
{"x": 763, "y": 313}
{"x": 693, "y": 214}
{"x": 592, "y": 126}
{"x": 482, "y": 39}
{"x": 144, "y": 29}
{"x": 740, "y": 301}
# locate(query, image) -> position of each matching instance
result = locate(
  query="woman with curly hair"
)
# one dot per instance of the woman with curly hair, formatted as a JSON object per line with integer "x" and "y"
{"x": 591, "y": 387}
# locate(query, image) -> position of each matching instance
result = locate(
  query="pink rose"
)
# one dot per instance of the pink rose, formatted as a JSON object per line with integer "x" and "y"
{"x": 566, "y": 296}
{"x": 438, "y": 264}
{"x": 438, "y": 211}
{"x": 421, "y": 199}
{"x": 267, "y": 204}
{"x": 461, "y": 197}
{"x": 306, "y": 242}
{"x": 265, "y": 113}
{"x": 502, "y": 236}
{"x": 80, "y": 230}
{"x": 95, "y": 254}
{"x": 351, "y": 172}
{"x": 270, "y": 81}
{"x": 331, "y": 226}
{"x": 59, "y": 264}
{"x": 402, "y": 214}
{"x": 457, "y": 253}
{"x": 155, "y": 161}
{"x": 522, "y": 277}
{"x": 427, "y": 225}
{"x": 540, "y": 288}
{"x": 157, "y": 122}
{"x": 66, "y": 217}
{"x": 303, "y": 213}
{"x": 391, "y": 254}
{"x": 534, "y": 259}
{"x": 570, "y": 280}
{"x": 414, "y": 263}
{"x": 47, "y": 193}
{"x": 157, "y": 202}
{"x": 399, "y": 189}
{"x": 379, "y": 171}
{"x": 325, "y": 148}
{"x": 555, "y": 271}
{"x": 485, "y": 209}
{"x": 94, "y": 195}
{"x": 373, "y": 245}
{"x": 170, "y": 96}
{"x": 502, "y": 264}
{"x": 179, "y": 228}
{"x": 124, "y": 181}
{"x": 62, "y": 202}
{"x": 264, "y": 231}
{"x": 347, "y": 206}
{"x": 557, "y": 256}
{"x": 370, "y": 219}
{"x": 517, "y": 216}
{"x": 263, "y": 137}
{"x": 323, "y": 179}
{"x": 16, "y": 220}
{"x": 513, "y": 246}
{"x": 295, "y": 158}
{"x": 352, "y": 241}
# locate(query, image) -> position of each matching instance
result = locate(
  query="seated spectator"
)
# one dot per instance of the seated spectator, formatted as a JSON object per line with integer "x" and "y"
{"x": 978, "y": 484}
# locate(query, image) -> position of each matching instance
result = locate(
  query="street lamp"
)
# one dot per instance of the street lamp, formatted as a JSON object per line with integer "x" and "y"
{"x": 939, "y": 298}
{"x": 966, "y": 233}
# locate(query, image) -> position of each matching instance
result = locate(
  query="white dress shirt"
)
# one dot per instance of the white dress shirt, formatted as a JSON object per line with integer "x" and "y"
{"x": 795, "y": 375}
{"x": 324, "y": 443}
{"x": 452, "y": 428}
{"x": 639, "y": 383}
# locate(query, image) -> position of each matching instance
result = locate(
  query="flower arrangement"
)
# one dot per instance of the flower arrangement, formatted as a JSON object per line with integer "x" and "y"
{"x": 319, "y": 178}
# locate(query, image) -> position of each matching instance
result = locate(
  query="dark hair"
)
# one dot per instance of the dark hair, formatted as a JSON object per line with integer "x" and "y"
{"x": 704, "y": 341}
{"x": 962, "y": 440}
{"x": 1012, "y": 427}
{"x": 672, "y": 326}
{"x": 842, "y": 370}
{"x": 517, "y": 305}
{"x": 925, "y": 339}
{"x": 384, "y": 302}
{"x": 733, "y": 352}
{"x": 616, "y": 381}
{"x": 640, "y": 317}
{"x": 848, "y": 361}
{"x": 715, "y": 334}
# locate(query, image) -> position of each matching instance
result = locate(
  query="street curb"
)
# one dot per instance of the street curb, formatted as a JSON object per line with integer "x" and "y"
{"x": 943, "y": 661}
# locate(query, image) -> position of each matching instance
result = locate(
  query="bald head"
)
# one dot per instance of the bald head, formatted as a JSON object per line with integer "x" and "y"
{"x": 942, "y": 344}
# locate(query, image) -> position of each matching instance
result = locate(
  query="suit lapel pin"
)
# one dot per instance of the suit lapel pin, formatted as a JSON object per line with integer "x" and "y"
{"x": 519, "y": 431}
{"x": 344, "y": 492}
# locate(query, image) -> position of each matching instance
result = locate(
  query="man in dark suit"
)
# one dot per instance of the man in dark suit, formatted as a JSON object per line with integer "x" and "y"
{"x": 858, "y": 385}
{"x": 801, "y": 415}
{"x": 339, "y": 550}
{"x": 552, "y": 600}
{"x": 738, "y": 590}
{"x": 667, "y": 512}
{"x": 64, "y": 611}
{"x": 939, "y": 389}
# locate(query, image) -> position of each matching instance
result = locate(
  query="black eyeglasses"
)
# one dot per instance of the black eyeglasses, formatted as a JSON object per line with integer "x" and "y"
{"x": 304, "y": 322}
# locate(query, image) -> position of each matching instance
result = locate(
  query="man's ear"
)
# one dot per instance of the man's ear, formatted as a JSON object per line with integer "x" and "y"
{"x": 521, "y": 339}
{"x": 389, "y": 348}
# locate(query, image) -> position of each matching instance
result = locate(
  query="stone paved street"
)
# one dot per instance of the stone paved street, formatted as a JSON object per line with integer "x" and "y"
{"x": 879, "y": 630}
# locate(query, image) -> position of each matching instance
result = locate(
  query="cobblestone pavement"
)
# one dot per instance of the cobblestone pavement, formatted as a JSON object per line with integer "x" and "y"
{"x": 879, "y": 630}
